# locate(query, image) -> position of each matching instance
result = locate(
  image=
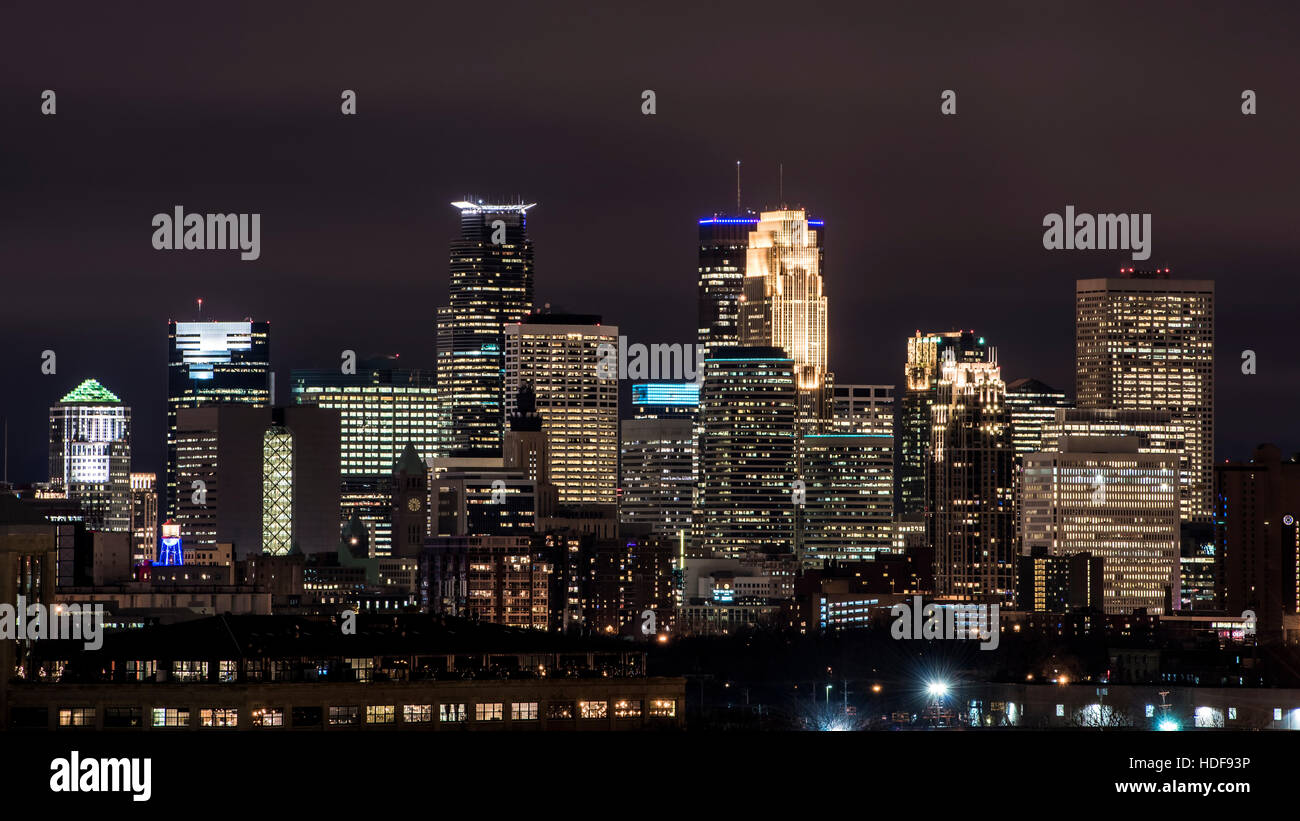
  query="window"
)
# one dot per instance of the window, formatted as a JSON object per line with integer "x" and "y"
{"x": 1151, "y": 711}
{"x": 1277, "y": 713}
{"x": 523, "y": 711}
{"x": 171, "y": 717}
{"x": 344, "y": 715}
{"x": 382, "y": 714}
{"x": 1060, "y": 710}
{"x": 141, "y": 670}
{"x": 625, "y": 708}
{"x": 593, "y": 709}
{"x": 451, "y": 712}
{"x": 487, "y": 712}
{"x": 663, "y": 708}
{"x": 1232, "y": 713}
{"x": 363, "y": 669}
{"x": 189, "y": 670}
{"x": 268, "y": 717}
{"x": 77, "y": 717}
{"x": 306, "y": 716}
{"x": 417, "y": 713}
{"x": 219, "y": 717}
{"x": 559, "y": 710}
{"x": 228, "y": 671}
{"x": 123, "y": 717}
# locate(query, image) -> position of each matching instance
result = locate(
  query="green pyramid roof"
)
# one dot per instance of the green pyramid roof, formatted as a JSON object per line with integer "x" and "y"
{"x": 90, "y": 391}
{"x": 410, "y": 461}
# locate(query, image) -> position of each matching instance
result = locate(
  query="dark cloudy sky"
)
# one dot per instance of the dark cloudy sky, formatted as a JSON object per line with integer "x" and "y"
{"x": 932, "y": 222}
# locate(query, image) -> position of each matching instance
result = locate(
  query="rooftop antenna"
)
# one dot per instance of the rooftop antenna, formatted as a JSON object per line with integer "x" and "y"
{"x": 781, "y": 183}
{"x": 738, "y": 211}
{"x": 200, "y": 307}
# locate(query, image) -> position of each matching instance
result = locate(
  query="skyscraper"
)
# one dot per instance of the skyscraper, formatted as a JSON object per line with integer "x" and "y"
{"x": 784, "y": 302}
{"x": 863, "y": 410}
{"x": 924, "y": 356}
{"x": 724, "y": 244}
{"x": 560, "y": 356}
{"x": 1145, "y": 341}
{"x": 90, "y": 454}
{"x": 657, "y": 473}
{"x": 1258, "y": 539}
{"x": 213, "y": 363}
{"x": 383, "y": 409}
{"x": 748, "y": 416}
{"x": 1100, "y": 495}
{"x": 849, "y": 496}
{"x": 144, "y": 516}
{"x": 1033, "y": 405}
{"x": 491, "y": 285}
{"x": 971, "y": 482}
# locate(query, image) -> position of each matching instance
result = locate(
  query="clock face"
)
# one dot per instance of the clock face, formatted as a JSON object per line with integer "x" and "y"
{"x": 413, "y": 504}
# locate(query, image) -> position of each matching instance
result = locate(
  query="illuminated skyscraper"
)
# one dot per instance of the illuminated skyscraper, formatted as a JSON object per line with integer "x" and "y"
{"x": 90, "y": 454}
{"x": 748, "y": 454}
{"x": 724, "y": 244}
{"x": 1100, "y": 495}
{"x": 924, "y": 355}
{"x": 1033, "y": 405}
{"x": 1146, "y": 342}
{"x": 560, "y": 356}
{"x": 863, "y": 410}
{"x": 383, "y": 410}
{"x": 491, "y": 286}
{"x": 784, "y": 303}
{"x": 657, "y": 473}
{"x": 213, "y": 363}
{"x": 849, "y": 496}
{"x": 144, "y": 516}
{"x": 971, "y": 482}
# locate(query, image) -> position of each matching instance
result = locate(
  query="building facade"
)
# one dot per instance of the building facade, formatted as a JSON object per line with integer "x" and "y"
{"x": 90, "y": 454}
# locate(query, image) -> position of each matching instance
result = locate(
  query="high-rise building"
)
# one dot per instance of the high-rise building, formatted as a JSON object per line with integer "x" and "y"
{"x": 925, "y": 355}
{"x": 1049, "y": 583}
{"x": 665, "y": 400}
{"x": 748, "y": 453}
{"x": 491, "y": 286}
{"x": 971, "y": 482}
{"x": 90, "y": 455}
{"x": 724, "y": 244}
{"x": 863, "y": 410}
{"x": 144, "y": 517}
{"x": 383, "y": 408}
{"x": 1258, "y": 540}
{"x": 784, "y": 302}
{"x": 657, "y": 472}
{"x": 848, "y": 507}
{"x": 478, "y": 496}
{"x": 213, "y": 363}
{"x": 265, "y": 480}
{"x": 1145, "y": 342}
{"x": 492, "y": 579}
{"x": 559, "y": 356}
{"x": 1101, "y": 495}
{"x": 1033, "y": 405}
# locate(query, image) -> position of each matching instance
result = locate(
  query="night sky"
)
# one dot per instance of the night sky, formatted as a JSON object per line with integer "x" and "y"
{"x": 932, "y": 222}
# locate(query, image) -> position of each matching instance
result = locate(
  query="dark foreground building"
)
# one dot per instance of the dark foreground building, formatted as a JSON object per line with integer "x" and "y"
{"x": 283, "y": 672}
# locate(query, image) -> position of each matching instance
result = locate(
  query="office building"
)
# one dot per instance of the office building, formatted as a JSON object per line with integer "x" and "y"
{"x": 848, "y": 507}
{"x": 144, "y": 516}
{"x": 925, "y": 355}
{"x": 1033, "y": 405}
{"x": 724, "y": 245}
{"x": 657, "y": 473}
{"x": 491, "y": 286}
{"x": 1102, "y": 496}
{"x": 862, "y": 410}
{"x": 558, "y": 356}
{"x": 1061, "y": 583}
{"x": 1258, "y": 540}
{"x": 213, "y": 363}
{"x": 748, "y": 452}
{"x": 90, "y": 455}
{"x": 971, "y": 482}
{"x": 1145, "y": 341}
{"x": 490, "y": 579}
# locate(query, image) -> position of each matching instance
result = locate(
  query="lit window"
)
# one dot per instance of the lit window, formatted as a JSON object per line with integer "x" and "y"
{"x": 189, "y": 671}
{"x": 268, "y": 717}
{"x": 663, "y": 708}
{"x": 487, "y": 712}
{"x": 171, "y": 717}
{"x": 381, "y": 714}
{"x": 559, "y": 710}
{"x": 451, "y": 712}
{"x": 1060, "y": 709}
{"x": 625, "y": 708}
{"x": 593, "y": 709}
{"x": 523, "y": 711}
{"x": 417, "y": 713}
{"x": 341, "y": 716}
{"x": 77, "y": 717}
{"x": 221, "y": 717}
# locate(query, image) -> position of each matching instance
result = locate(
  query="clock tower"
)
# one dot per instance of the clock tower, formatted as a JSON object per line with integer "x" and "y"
{"x": 410, "y": 503}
